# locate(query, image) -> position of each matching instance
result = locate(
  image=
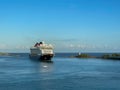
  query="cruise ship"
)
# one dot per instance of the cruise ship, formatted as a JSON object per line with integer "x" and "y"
{"x": 42, "y": 51}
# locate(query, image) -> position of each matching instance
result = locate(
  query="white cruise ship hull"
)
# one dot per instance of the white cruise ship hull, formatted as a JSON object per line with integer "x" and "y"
{"x": 47, "y": 57}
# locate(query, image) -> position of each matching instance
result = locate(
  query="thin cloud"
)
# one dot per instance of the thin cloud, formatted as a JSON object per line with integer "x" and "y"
{"x": 3, "y": 46}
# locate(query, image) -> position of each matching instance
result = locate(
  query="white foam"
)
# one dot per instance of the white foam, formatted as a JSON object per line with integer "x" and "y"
{"x": 44, "y": 66}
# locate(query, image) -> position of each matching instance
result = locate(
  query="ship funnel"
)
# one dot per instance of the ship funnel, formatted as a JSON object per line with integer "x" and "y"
{"x": 43, "y": 42}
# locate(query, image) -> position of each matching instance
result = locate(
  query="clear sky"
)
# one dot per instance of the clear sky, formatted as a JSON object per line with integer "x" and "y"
{"x": 70, "y": 25}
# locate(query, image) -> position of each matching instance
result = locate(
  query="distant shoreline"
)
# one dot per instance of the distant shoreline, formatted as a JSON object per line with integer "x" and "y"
{"x": 112, "y": 56}
{"x": 4, "y": 54}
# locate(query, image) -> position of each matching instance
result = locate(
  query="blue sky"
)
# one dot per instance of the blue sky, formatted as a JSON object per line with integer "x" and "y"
{"x": 70, "y": 25}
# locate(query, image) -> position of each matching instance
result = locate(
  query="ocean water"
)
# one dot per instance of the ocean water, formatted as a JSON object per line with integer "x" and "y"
{"x": 18, "y": 72}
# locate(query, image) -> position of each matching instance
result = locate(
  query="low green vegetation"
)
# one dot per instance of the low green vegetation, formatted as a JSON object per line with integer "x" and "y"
{"x": 106, "y": 56}
{"x": 114, "y": 56}
{"x": 83, "y": 56}
{"x": 8, "y": 54}
{"x": 111, "y": 56}
{"x": 4, "y": 54}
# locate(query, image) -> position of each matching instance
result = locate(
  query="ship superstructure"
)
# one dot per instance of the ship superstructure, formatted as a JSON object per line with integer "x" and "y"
{"x": 42, "y": 51}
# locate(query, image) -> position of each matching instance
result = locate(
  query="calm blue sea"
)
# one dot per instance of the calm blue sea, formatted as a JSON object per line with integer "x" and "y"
{"x": 18, "y": 72}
